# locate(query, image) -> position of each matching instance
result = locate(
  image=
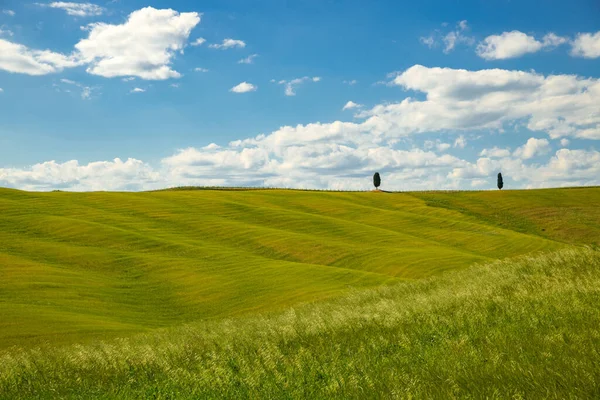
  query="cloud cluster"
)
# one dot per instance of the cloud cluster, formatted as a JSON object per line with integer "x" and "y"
{"x": 102, "y": 175}
{"x": 343, "y": 155}
{"x": 456, "y": 99}
{"x": 143, "y": 46}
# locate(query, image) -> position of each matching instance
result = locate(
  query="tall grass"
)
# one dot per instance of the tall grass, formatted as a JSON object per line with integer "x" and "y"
{"x": 522, "y": 328}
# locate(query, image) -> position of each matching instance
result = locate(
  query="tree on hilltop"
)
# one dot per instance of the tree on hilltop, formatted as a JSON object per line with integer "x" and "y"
{"x": 500, "y": 181}
{"x": 376, "y": 180}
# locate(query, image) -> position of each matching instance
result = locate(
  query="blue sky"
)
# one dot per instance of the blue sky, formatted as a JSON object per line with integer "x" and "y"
{"x": 443, "y": 94}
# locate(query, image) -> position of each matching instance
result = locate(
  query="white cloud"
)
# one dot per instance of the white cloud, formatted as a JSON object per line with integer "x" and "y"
{"x": 507, "y": 45}
{"x": 450, "y": 39}
{"x": 102, "y": 175}
{"x": 6, "y": 32}
{"x": 17, "y": 58}
{"x": 137, "y": 90}
{"x": 229, "y": 44}
{"x": 243, "y": 87}
{"x": 565, "y": 168}
{"x": 344, "y": 155}
{"x": 437, "y": 144}
{"x": 586, "y": 45}
{"x": 460, "y": 142}
{"x": 553, "y": 40}
{"x": 515, "y": 44}
{"x": 495, "y": 152}
{"x": 142, "y": 46}
{"x": 350, "y": 105}
{"x": 128, "y": 79}
{"x": 564, "y": 142}
{"x": 290, "y": 86}
{"x": 428, "y": 41}
{"x": 455, "y": 37}
{"x": 248, "y": 60}
{"x": 1, "y": 90}
{"x": 10, "y": 13}
{"x": 533, "y": 147}
{"x": 198, "y": 42}
{"x": 198, "y": 69}
{"x": 76, "y": 9}
{"x": 560, "y": 105}
{"x": 86, "y": 91}
{"x": 351, "y": 82}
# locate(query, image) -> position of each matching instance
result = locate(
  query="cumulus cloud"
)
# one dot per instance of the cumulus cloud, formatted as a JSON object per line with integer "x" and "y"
{"x": 560, "y": 105}
{"x": 17, "y": 58}
{"x": 515, "y": 44}
{"x": 350, "y": 105}
{"x": 76, "y": 9}
{"x": 102, "y": 175}
{"x": 586, "y": 45}
{"x": 10, "y": 13}
{"x": 290, "y": 86}
{"x": 565, "y": 142}
{"x": 143, "y": 46}
{"x": 248, "y": 60}
{"x": 137, "y": 90}
{"x": 534, "y": 147}
{"x": 243, "y": 87}
{"x": 343, "y": 155}
{"x": 229, "y": 44}
{"x": 566, "y": 168}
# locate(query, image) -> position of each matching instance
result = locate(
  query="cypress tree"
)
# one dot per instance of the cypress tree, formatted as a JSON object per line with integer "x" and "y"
{"x": 500, "y": 181}
{"x": 376, "y": 180}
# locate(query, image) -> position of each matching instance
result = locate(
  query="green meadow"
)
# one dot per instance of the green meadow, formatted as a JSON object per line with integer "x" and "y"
{"x": 300, "y": 294}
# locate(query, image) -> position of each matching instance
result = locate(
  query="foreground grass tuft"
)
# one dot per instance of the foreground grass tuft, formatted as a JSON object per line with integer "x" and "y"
{"x": 522, "y": 328}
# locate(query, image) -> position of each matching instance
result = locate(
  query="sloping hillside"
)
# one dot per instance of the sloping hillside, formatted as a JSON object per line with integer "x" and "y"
{"x": 77, "y": 266}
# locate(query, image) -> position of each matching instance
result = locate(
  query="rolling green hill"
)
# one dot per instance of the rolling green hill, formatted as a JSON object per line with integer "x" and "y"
{"x": 79, "y": 266}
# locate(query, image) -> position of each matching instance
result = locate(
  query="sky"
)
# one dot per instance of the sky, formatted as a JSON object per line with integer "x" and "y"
{"x": 139, "y": 95}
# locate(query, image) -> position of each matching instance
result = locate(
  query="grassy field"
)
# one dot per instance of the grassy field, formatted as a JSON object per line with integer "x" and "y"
{"x": 523, "y": 328}
{"x": 198, "y": 275}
